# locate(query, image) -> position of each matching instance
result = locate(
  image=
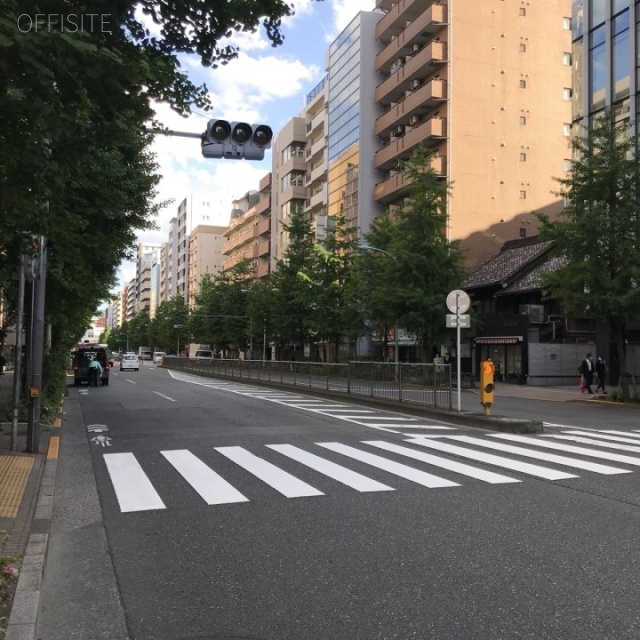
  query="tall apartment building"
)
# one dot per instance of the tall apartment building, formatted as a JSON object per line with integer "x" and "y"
{"x": 205, "y": 256}
{"x": 249, "y": 233}
{"x": 316, "y": 129}
{"x": 606, "y": 66}
{"x": 148, "y": 254}
{"x": 132, "y": 288}
{"x": 486, "y": 86}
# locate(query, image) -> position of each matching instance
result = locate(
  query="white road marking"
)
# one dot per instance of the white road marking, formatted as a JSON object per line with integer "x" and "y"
{"x": 615, "y": 457}
{"x": 131, "y": 381}
{"x": 275, "y": 477}
{"x": 162, "y": 394}
{"x": 498, "y": 461}
{"x": 596, "y": 443}
{"x": 540, "y": 455}
{"x": 351, "y": 478}
{"x": 133, "y": 488}
{"x": 602, "y": 436}
{"x": 207, "y": 483}
{"x": 457, "y": 467}
{"x": 402, "y": 470}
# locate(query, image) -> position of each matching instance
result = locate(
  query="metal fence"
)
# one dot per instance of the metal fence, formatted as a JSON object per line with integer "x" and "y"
{"x": 428, "y": 384}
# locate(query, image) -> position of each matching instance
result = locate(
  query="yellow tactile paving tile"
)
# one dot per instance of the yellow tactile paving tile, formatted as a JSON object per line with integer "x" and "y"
{"x": 14, "y": 474}
{"x": 54, "y": 445}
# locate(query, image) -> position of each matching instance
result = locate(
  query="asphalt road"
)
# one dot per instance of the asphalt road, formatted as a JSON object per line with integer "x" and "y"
{"x": 204, "y": 516}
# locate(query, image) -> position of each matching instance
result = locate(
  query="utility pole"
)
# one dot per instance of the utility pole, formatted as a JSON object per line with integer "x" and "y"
{"x": 37, "y": 347}
{"x": 17, "y": 369}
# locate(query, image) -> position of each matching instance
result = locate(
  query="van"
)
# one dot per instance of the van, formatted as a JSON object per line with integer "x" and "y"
{"x": 81, "y": 359}
{"x": 158, "y": 357}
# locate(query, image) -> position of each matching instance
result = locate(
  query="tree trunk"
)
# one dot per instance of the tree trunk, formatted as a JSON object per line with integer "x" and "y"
{"x": 618, "y": 331}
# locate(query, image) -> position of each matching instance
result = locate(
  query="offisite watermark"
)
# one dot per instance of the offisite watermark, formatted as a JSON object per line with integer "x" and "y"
{"x": 65, "y": 23}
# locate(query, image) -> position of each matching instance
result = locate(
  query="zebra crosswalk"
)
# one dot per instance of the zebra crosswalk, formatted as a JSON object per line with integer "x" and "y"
{"x": 372, "y": 418}
{"x": 430, "y": 461}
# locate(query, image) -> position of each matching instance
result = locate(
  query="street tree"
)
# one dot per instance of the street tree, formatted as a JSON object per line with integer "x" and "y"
{"x": 425, "y": 266}
{"x": 293, "y": 299}
{"x": 597, "y": 233}
{"x": 169, "y": 328}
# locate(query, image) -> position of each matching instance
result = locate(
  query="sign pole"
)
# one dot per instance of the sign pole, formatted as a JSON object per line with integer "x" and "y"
{"x": 458, "y": 347}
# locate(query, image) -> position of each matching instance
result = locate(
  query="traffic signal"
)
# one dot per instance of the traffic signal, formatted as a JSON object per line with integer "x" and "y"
{"x": 487, "y": 386}
{"x": 236, "y": 140}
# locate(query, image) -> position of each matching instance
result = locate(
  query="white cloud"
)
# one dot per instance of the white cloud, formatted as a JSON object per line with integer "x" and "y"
{"x": 344, "y": 11}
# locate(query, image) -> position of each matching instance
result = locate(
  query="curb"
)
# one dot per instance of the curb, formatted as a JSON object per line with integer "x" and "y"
{"x": 26, "y": 600}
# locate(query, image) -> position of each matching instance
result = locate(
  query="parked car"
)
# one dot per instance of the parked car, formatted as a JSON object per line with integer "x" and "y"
{"x": 159, "y": 356}
{"x": 129, "y": 361}
{"x": 81, "y": 359}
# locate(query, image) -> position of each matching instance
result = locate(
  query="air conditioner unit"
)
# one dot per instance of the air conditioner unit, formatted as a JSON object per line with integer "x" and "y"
{"x": 416, "y": 83}
{"x": 414, "y": 120}
{"x": 397, "y": 131}
{"x": 399, "y": 61}
{"x": 415, "y": 47}
{"x": 534, "y": 311}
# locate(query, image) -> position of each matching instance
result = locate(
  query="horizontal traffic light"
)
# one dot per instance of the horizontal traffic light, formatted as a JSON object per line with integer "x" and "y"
{"x": 236, "y": 140}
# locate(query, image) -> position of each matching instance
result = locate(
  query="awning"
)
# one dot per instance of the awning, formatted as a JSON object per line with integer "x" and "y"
{"x": 498, "y": 340}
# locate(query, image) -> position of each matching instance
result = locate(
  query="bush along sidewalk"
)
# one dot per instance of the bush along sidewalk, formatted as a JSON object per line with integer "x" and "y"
{"x": 8, "y": 582}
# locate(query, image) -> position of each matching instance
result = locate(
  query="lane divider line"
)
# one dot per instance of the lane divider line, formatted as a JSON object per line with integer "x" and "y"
{"x": 167, "y": 397}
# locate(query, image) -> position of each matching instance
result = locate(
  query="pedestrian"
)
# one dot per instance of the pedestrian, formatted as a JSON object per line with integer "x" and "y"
{"x": 3, "y": 363}
{"x": 601, "y": 372}
{"x": 95, "y": 372}
{"x": 587, "y": 369}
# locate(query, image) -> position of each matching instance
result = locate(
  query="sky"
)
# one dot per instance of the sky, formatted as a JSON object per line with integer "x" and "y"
{"x": 264, "y": 84}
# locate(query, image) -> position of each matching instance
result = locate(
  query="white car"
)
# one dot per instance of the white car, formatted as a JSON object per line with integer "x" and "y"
{"x": 158, "y": 357}
{"x": 129, "y": 361}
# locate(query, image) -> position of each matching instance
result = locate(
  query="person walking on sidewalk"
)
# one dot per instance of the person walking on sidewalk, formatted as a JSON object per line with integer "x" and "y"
{"x": 601, "y": 372}
{"x": 587, "y": 369}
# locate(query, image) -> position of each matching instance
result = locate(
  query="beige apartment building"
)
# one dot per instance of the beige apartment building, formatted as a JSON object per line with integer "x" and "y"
{"x": 205, "y": 256}
{"x": 249, "y": 233}
{"x": 486, "y": 85}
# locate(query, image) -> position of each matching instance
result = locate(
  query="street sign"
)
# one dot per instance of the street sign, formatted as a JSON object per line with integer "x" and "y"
{"x": 458, "y": 301}
{"x": 463, "y": 321}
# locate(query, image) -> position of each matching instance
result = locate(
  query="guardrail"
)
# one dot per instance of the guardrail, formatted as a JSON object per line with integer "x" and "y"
{"x": 427, "y": 384}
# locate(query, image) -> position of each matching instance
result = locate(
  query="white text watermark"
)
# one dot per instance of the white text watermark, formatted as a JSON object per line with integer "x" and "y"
{"x": 65, "y": 23}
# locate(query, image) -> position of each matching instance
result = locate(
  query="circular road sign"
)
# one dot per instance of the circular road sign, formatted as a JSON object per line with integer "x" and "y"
{"x": 458, "y": 301}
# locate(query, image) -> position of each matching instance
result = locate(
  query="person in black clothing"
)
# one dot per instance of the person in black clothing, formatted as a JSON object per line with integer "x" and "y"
{"x": 587, "y": 369}
{"x": 601, "y": 371}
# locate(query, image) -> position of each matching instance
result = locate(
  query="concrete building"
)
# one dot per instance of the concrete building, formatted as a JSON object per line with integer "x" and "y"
{"x": 352, "y": 112}
{"x": 132, "y": 288}
{"x": 249, "y": 233}
{"x": 205, "y": 256}
{"x": 486, "y": 86}
{"x": 148, "y": 255}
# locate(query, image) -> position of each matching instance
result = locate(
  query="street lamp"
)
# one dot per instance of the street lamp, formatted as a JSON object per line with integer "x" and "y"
{"x": 178, "y": 326}
{"x": 264, "y": 332}
{"x": 367, "y": 247}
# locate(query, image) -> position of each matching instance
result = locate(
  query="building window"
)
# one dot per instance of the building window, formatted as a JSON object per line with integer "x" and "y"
{"x": 523, "y": 47}
{"x": 523, "y": 232}
{"x": 566, "y": 129}
{"x": 566, "y": 165}
{"x": 566, "y": 94}
{"x": 294, "y": 150}
{"x": 523, "y": 157}
{"x": 523, "y": 11}
{"x": 523, "y": 120}
{"x": 523, "y": 84}
{"x": 566, "y": 24}
{"x": 523, "y": 195}
{"x": 566, "y": 59}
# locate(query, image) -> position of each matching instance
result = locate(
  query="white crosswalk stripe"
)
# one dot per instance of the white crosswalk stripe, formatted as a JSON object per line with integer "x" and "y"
{"x": 275, "y": 477}
{"x": 604, "y": 436}
{"x": 540, "y": 455}
{"x": 208, "y": 484}
{"x": 135, "y": 492}
{"x": 351, "y": 478}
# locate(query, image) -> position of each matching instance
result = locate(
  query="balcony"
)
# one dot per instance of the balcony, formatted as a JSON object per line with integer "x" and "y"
{"x": 393, "y": 29}
{"x": 318, "y": 173}
{"x": 263, "y": 269}
{"x": 316, "y": 200}
{"x": 393, "y": 187}
{"x": 264, "y": 204}
{"x": 424, "y": 63}
{"x": 317, "y": 147}
{"x": 428, "y": 133}
{"x": 317, "y": 122}
{"x": 263, "y": 249}
{"x": 419, "y": 102}
{"x": 264, "y": 226}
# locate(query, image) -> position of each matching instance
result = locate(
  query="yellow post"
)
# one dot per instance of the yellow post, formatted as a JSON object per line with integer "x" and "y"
{"x": 487, "y": 386}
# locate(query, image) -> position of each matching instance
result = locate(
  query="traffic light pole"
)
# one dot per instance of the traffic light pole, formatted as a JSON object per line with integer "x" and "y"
{"x": 168, "y": 132}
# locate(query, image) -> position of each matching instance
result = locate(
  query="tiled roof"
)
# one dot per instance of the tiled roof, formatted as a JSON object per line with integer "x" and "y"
{"x": 513, "y": 257}
{"x": 532, "y": 281}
